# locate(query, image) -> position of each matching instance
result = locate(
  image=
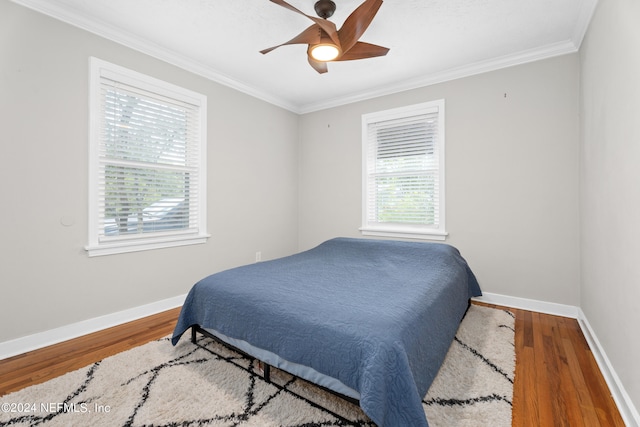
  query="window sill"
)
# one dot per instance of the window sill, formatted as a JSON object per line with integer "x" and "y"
{"x": 120, "y": 247}
{"x": 405, "y": 233}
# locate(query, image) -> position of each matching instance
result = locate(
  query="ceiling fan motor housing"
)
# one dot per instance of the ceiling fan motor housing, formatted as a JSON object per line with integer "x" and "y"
{"x": 325, "y": 8}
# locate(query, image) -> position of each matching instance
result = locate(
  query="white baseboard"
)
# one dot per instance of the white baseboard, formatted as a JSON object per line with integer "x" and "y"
{"x": 625, "y": 405}
{"x": 530, "y": 304}
{"x": 64, "y": 333}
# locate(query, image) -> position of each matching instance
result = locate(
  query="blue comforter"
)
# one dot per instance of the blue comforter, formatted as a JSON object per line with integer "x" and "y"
{"x": 377, "y": 315}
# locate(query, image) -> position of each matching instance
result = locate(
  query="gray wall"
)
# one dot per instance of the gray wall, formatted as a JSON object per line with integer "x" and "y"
{"x": 610, "y": 185}
{"x": 278, "y": 183}
{"x": 511, "y": 175}
{"x": 46, "y": 278}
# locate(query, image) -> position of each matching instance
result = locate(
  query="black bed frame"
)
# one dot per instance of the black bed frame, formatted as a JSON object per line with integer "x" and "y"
{"x": 266, "y": 368}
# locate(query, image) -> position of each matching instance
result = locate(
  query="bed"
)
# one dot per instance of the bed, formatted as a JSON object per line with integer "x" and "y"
{"x": 369, "y": 319}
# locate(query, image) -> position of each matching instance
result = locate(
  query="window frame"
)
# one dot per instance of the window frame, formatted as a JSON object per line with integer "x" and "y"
{"x": 197, "y": 234}
{"x": 397, "y": 229}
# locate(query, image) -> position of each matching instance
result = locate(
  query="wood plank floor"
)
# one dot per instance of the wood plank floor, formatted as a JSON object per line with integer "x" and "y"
{"x": 557, "y": 380}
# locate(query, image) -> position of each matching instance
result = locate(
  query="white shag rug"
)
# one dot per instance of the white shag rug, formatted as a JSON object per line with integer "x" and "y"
{"x": 209, "y": 385}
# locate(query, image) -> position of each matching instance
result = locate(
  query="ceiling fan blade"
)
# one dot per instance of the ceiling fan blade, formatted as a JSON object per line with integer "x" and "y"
{"x": 328, "y": 26}
{"x": 357, "y": 23}
{"x": 320, "y": 67}
{"x": 362, "y": 50}
{"x": 309, "y": 36}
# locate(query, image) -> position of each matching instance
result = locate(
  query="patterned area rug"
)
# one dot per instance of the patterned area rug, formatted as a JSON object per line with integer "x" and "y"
{"x": 209, "y": 385}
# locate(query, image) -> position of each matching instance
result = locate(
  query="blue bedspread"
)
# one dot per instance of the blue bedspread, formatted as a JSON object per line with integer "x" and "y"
{"x": 377, "y": 315}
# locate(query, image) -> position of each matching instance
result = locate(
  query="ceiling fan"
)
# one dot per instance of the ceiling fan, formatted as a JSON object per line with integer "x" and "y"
{"x": 327, "y": 43}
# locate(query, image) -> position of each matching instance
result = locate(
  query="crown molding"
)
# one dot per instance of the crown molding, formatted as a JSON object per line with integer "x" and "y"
{"x": 131, "y": 41}
{"x": 583, "y": 20}
{"x": 494, "y": 64}
{"x": 569, "y": 46}
{"x": 119, "y": 36}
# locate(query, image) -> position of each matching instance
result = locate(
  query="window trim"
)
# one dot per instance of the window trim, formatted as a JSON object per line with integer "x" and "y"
{"x": 124, "y": 244}
{"x": 396, "y": 230}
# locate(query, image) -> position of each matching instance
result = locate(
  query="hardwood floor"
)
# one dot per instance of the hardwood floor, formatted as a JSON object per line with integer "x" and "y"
{"x": 557, "y": 380}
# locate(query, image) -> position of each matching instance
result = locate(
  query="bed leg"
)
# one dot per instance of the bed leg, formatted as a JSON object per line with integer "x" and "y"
{"x": 193, "y": 334}
{"x": 267, "y": 372}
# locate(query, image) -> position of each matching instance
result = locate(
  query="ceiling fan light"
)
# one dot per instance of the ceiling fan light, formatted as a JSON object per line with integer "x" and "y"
{"x": 324, "y": 52}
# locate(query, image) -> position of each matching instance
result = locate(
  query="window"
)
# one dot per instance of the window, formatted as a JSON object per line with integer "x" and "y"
{"x": 403, "y": 167}
{"x": 147, "y": 171}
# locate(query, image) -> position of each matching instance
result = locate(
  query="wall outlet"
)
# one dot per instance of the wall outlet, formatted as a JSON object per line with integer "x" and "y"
{"x": 258, "y": 256}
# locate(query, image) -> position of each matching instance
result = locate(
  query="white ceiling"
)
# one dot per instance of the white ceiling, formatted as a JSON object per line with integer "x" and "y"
{"x": 430, "y": 41}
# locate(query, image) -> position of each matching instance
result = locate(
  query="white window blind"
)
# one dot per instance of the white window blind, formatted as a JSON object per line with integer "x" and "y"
{"x": 403, "y": 152}
{"x": 147, "y": 162}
